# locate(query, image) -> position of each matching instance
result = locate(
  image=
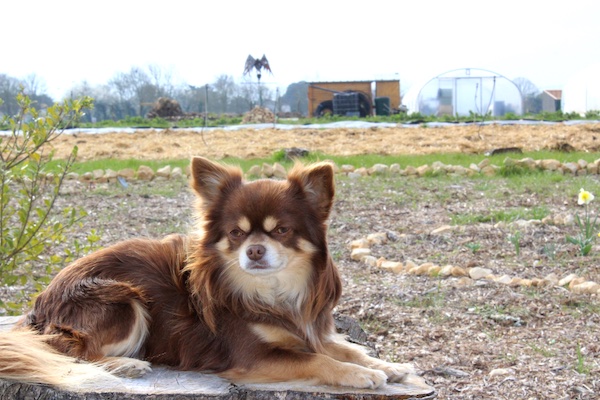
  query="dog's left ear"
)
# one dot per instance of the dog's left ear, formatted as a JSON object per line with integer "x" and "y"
{"x": 211, "y": 180}
{"x": 317, "y": 183}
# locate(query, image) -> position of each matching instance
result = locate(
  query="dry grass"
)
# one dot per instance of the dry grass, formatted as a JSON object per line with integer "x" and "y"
{"x": 249, "y": 143}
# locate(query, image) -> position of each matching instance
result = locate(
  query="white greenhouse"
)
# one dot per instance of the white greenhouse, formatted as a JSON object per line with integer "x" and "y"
{"x": 468, "y": 91}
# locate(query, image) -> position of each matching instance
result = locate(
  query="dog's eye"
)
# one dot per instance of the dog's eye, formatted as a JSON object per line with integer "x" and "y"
{"x": 236, "y": 233}
{"x": 281, "y": 230}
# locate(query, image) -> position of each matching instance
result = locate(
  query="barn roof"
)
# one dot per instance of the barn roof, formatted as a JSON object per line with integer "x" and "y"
{"x": 555, "y": 94}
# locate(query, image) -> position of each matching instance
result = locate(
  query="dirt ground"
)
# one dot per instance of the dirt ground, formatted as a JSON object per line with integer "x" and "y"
{"x": 475, "y": 341}
{"x": 248, "y": 143}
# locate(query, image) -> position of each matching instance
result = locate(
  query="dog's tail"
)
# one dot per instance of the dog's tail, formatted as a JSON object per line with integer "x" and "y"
{"x": 26, "y": 356}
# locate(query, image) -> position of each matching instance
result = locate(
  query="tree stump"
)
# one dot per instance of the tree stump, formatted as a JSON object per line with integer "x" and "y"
{"x": 167, "y": 384}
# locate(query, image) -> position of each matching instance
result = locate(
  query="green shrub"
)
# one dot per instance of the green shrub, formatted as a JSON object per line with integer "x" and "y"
{"x": 592, "y": 114}
{"x": 30, "y": 225}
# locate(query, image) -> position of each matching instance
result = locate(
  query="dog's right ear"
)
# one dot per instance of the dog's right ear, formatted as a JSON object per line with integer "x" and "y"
{"x": 317, "y": 183}
{"x": 211, "y": 180}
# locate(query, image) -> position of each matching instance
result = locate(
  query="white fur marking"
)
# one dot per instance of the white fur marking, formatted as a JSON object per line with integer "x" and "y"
{"x": 306, "y": 246}
{"x": 130, "y": 347}
{"x": 287, "y": 284}
{"x": 244, "y": 224}
{"x": 278, "y": 336}
{"x": 273, "y": 260}
{"x": 222, "y": 245}
{"x": 270, "y": 223}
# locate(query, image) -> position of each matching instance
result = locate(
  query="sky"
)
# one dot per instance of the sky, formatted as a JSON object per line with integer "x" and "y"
{"x": 67, "y": 42}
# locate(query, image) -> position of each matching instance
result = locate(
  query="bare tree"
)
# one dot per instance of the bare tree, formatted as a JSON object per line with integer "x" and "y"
{"x": 105, "y": 102}
{"x": 135, "y": 90}
{"x": 296, "y": 97}
{"x": 191, "y": 98}
{"x": 530, "y": 95}
{"x": 139, "y": 88}
{"x": 33, "y": 85}
{"x": 224, "y": 88}
{"x": 9, "y": 88}
{"x": 162, "y": 79}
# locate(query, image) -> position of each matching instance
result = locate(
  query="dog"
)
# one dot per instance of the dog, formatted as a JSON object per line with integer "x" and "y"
{"x": 248, "y": 296}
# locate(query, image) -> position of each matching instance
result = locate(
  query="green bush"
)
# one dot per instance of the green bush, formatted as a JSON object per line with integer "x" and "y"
{"x": 30, "y": 225}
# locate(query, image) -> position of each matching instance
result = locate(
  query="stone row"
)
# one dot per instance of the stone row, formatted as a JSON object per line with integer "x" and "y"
{"x": 361, "y": 251}
{"x": 484, "y": 167}
{"x": 143, "y": 173}
{"x": 277, "y": 170}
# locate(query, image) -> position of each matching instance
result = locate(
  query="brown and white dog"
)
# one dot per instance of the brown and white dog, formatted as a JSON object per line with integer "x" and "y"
{"x": 248, "y": 297}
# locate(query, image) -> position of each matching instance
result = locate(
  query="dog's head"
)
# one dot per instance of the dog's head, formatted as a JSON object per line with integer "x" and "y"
{"x": 265, "y": 240}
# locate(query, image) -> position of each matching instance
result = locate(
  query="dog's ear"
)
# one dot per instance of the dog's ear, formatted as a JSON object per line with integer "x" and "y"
{"x": 211, "y": 180}
{"x": 317, "y": 183}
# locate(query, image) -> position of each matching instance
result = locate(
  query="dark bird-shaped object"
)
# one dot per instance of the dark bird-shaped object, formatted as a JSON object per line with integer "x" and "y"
{"x": 257, "y": 64}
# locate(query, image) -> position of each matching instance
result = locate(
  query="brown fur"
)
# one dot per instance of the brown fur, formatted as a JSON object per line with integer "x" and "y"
{"x": 249, "y": 296}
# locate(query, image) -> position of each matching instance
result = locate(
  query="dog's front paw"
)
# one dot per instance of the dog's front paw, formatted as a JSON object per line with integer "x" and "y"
{"x": 396, "y": 372}
{"x": 363, "y": 378}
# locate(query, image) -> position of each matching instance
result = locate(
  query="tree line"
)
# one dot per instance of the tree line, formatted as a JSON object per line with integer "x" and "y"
{"x": 10, "y": 87}
{"x": 134, "y": 93}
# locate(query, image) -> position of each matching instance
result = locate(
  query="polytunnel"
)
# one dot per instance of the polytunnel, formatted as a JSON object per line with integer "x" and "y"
{"x": 469, "y": 91}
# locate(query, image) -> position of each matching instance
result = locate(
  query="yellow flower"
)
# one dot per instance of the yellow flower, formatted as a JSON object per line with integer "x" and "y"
{"x": 584, "y": 197}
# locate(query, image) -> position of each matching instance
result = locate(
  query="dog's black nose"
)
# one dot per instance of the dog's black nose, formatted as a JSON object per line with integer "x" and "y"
{"x": 255, "y": 252}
